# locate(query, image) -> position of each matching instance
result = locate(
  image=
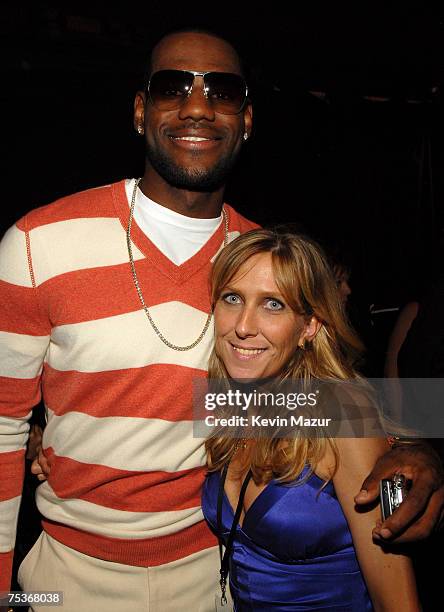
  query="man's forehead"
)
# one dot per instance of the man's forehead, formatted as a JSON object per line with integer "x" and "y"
{"x": 195, "y": 51}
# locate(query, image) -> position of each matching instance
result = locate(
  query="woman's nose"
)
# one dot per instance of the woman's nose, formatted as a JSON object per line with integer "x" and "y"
{"x": 247, "y": 323}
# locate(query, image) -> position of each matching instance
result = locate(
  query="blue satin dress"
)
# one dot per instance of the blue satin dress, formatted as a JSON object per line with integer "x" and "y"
{"x": 294, "y": 550}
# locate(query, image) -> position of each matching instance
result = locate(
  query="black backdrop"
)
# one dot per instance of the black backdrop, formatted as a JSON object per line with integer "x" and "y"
{"x": 362, "y": 173}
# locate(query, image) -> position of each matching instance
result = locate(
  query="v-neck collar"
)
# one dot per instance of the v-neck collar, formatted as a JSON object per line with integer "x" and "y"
{"x": 259, "y": 501}
{"x": 273, "y": 492}
{"x": 177, "y": 274}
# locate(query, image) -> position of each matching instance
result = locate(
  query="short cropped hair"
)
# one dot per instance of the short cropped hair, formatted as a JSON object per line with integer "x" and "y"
{"x": 190, "y": 30}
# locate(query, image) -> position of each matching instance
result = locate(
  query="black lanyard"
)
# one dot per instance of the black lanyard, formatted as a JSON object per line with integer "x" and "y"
{"x": 225, "y": 559}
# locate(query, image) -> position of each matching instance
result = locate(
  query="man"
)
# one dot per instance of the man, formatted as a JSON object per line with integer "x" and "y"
{"x": 115, "y": 348}
{"x": 126, "y": 472}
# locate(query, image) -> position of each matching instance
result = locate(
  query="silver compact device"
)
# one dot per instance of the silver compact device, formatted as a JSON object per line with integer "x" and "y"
{"x": 392, "y": 492}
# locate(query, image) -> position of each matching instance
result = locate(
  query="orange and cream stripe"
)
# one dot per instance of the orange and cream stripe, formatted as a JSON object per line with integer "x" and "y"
{"x": 126, "y": 471}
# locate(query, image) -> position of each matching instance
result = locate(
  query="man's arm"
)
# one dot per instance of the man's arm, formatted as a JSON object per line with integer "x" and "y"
{"x": 24, "y": 338}
{"x": 423, "y": 508}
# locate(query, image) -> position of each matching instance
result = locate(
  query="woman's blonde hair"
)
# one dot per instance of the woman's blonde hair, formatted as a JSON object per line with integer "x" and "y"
{"x": 306, "y": 282}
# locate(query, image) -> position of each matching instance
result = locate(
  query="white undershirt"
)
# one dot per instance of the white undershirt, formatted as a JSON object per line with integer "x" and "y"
{"x": 177, "y": 236}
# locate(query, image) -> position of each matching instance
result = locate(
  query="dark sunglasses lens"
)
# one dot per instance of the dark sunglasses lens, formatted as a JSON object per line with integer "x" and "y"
{"x": 168, "y": 88}
{"x": 226, "y": 91}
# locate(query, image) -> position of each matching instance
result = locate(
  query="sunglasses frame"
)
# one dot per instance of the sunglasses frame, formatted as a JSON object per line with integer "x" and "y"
{"x": 195, "y": 73}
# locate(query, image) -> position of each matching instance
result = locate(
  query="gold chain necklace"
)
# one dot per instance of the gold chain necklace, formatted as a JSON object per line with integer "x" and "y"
{"x": 157, "y": 331}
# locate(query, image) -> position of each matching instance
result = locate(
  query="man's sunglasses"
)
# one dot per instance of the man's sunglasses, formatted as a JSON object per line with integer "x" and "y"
{"x": 225, "y": 92}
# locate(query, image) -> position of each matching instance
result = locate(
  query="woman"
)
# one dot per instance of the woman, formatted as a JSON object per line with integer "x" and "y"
{"x": 278, "y": 316}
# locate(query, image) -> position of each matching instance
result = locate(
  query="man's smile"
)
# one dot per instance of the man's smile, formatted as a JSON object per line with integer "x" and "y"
{"x": 194, "y": 140}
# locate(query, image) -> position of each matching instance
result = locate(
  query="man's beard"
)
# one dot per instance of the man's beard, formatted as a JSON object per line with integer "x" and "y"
{"x": 191, "y": 179}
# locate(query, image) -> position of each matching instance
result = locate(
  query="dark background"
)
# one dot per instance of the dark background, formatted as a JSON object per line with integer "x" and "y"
{"x": 363, "y": 173}
{"x": 348, "y": 141}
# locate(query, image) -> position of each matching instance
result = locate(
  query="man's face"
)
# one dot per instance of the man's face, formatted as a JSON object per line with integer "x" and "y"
{"x": 171, "y": 146}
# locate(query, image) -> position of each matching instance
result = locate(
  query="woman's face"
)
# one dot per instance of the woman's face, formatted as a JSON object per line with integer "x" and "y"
{"x": 256, "y": 330}
{"x": 343, "y": 287}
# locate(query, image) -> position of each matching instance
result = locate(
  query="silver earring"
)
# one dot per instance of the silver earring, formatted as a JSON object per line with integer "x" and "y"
{"x": 246, "y": 136}
{"x": 140, "y": 129}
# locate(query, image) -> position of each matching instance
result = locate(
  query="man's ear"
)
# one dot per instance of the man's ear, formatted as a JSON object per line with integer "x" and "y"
{"x": 139, "y": 112}
{"x": 248, "y": 119}
{"x": 311, "y": 328}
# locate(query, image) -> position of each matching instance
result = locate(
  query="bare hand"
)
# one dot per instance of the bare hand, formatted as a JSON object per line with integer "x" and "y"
{"x": 34, "y": 442}
{"x": 422, "y": 511}
{"x": 40, "y": 466}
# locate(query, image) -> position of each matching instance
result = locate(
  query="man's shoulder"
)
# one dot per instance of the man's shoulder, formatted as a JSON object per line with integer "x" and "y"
{"x": 89, "y": 203}
{"x": 239, "y": 222}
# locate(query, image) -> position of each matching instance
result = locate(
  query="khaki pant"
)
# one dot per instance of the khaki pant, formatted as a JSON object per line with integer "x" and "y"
{"x": 93, "y": 585}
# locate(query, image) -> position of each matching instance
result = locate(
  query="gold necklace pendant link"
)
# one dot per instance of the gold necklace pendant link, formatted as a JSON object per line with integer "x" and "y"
{"x": 157, "y": 331}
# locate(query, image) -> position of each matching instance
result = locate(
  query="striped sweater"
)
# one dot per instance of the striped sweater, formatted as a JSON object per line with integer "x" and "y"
{"x": 126, "y": 472}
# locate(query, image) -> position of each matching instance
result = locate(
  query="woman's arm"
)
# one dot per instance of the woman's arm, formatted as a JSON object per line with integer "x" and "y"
{"x": 403, "y": 323}
{"x": 393, "y": 388}
{"x": 389, "y": 576}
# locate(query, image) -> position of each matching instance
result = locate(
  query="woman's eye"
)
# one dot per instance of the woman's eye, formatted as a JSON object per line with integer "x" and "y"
{"x": 231, "y": 298}
{"x": 272, "y": 304}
